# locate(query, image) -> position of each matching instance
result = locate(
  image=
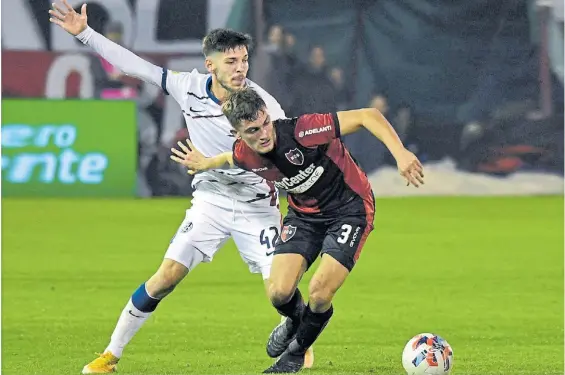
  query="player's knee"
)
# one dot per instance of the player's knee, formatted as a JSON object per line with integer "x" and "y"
{"x": 169, "y": 275}
{"x": 320, "y": 295}
{"x": 280, "y": 293}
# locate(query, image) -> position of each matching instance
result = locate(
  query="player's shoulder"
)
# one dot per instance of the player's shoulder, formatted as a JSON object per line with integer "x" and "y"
{"x": 261, "y": 91}
{"x": 240, "y": 150}
{"x": 286, "y": 126}
{"x": 317, "y": 119}
{"x": 316, "y": 128}
{"x": 197, "y": 79}
{"x": 244, "y": 157}
{"x": 193, "y": 77}
{"x": 192, "y": 83}
{"x": 273, "y": 105}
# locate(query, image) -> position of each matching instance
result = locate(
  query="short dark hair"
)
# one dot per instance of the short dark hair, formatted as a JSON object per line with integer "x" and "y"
{"x": 243, "y": 105}
{"x": 222, "y": 40}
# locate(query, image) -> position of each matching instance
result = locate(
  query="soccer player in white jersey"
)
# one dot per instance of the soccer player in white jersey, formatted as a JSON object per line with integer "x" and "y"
{"x": 226, "y": 203}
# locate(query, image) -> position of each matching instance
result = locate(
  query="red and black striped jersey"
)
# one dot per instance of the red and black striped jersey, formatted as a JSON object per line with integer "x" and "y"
{"x": 310, "y": 162}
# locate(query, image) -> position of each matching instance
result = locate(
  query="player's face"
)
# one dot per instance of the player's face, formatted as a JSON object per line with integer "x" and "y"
{"x": 258, "y": 134}
{"x": 230, "y": 68}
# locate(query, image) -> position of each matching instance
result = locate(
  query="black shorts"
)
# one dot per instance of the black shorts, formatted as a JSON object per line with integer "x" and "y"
{"x": 341, "y": 234}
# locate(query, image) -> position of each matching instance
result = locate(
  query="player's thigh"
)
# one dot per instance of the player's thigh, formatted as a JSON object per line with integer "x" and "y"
{"x": 286, "y": 271}
{"x": 202, "y": 231}
{"x": 301, "y": 236}
{"x": 255, "y": 235}
{"x": 346, "y": 237}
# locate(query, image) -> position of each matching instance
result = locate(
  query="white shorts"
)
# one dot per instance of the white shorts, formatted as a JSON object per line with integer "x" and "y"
{"x": 207, "y": 227}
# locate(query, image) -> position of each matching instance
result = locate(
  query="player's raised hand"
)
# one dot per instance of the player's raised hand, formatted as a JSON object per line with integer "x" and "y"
{"x": 65, "y": 16}
{"x": 410, "y": 168}
{"x": 190, "y": 157}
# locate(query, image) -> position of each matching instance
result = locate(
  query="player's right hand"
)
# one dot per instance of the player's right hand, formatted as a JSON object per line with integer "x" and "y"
{"x": 66, "y": 17}
{"x": 410, "y": 168}
{"x": 190, "y": 157}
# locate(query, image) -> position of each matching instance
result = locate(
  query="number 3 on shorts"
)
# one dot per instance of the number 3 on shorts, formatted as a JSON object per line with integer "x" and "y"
{"x": 346, "y": 231}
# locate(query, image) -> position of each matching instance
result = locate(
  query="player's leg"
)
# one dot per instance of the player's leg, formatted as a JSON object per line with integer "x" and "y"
{"x": 195, "y": 242}
{"x": 325, "y": 282}
{"x": 138, "y": 309}
{"x": 297, "y": 249}
{"x": 255, "y": 235}
{"x": 327, "y": 279}
{"x": 341, "y": 248}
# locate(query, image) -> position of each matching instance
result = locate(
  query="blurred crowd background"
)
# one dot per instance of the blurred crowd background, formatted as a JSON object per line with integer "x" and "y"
{"x": 478, "y": 83}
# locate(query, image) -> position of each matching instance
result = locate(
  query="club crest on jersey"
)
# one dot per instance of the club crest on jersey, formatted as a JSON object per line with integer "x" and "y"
{"x": 186, "y": 227}
{"x": 287, "y": 233}
{"x": 295, "y": 156}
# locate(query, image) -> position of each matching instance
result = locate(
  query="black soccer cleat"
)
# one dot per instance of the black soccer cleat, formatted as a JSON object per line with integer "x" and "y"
{"x": 281, "y": 337}
{"x": 287, "y": 363}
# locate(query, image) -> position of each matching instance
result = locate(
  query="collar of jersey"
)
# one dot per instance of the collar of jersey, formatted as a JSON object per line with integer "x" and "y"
{"x": 209, "y": 91}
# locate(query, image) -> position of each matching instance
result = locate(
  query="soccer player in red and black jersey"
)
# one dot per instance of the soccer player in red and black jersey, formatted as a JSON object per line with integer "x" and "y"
{"x": 331, "y": 205}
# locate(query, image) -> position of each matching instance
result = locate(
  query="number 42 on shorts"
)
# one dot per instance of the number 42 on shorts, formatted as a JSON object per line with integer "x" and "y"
{"x": 269, "y": 237}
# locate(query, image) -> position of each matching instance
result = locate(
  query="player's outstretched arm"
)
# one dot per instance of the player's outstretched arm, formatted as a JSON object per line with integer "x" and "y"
{"x": 373, "y": 120}
{"x": 193, "y": 159}
{"x": 76, "y": 24}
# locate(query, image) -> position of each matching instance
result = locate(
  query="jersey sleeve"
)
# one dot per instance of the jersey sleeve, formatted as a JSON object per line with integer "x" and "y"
{"x": 120, "y": 57}
{"x": 176, "y": 84}
{"x": 316, "y": 129}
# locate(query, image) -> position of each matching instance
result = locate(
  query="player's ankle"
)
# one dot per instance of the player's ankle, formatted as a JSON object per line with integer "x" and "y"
{"x": 296, "y": 349}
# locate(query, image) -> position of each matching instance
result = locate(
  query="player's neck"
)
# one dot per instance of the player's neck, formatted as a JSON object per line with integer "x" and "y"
{"x": 219, "y": 91}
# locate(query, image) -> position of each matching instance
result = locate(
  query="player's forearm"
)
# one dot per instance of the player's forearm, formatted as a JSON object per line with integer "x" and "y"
{"x": 120, "y": 57}
{"x": 219, "y": 161}
{"x": 378, "y": 125}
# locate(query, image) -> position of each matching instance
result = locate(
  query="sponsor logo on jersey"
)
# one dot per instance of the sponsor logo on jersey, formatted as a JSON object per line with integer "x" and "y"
{"x": 287, "y": 233}
{"x": 302, "y": 181}
{"x": 315, "y": 131}
{"x": 259, "y": 169}
{"x": 295, "y": 156}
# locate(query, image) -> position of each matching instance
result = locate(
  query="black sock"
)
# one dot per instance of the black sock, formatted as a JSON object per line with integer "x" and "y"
{"x": 293, "y": 308}
{"x": 310, "y": 328}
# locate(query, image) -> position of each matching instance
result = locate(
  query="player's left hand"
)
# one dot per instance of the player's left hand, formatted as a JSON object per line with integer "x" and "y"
{"x": 190, "y": 157}
{"x": 410, "y": 168}
{"x": 68, "y": 19}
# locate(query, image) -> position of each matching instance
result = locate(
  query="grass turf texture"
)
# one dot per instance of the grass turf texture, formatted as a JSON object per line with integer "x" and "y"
{"x": 485, "y": 273}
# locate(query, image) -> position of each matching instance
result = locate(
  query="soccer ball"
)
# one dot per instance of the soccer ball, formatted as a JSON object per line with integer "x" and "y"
{"x": 427, "y": 354}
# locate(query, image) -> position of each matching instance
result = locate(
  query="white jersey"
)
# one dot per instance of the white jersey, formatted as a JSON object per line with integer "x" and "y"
{"x": 210, "y": 132}
{"x": 208, "y": 128}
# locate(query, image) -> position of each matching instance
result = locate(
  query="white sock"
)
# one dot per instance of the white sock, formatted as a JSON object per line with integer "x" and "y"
{"x": 129, "y": 323}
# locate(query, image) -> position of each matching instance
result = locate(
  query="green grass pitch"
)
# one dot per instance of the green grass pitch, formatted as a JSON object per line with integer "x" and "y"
{"x": 485, "y": 273}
